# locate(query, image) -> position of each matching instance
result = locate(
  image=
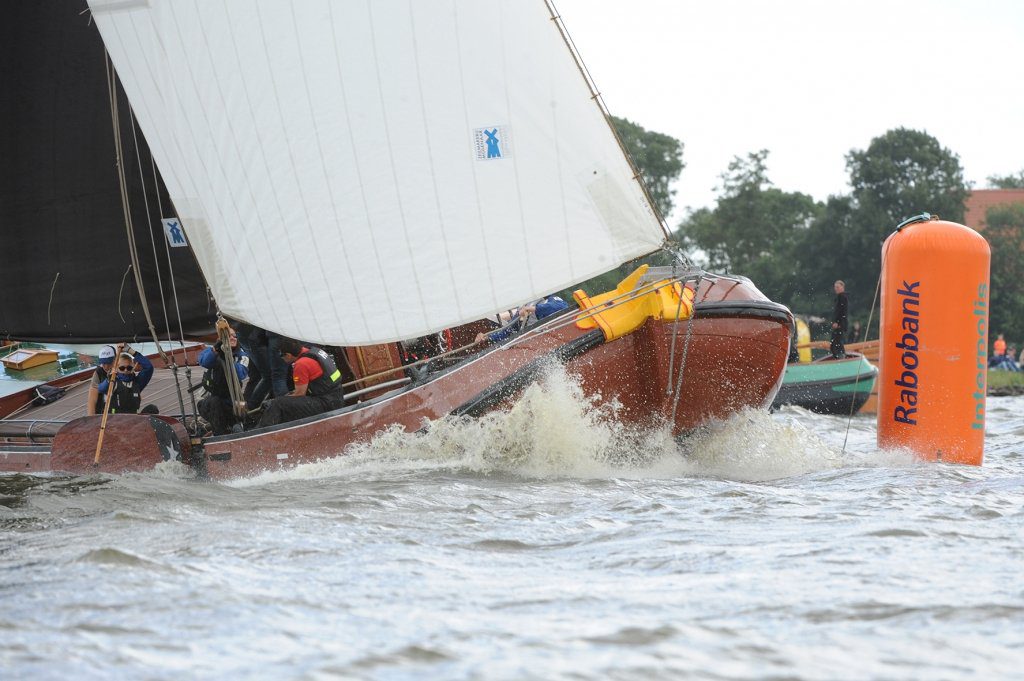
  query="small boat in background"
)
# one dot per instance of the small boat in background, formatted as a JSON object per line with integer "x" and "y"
{"x": 25, "y": 365}
{"x": 827, "y": 385}
{"x": 26, "y": 358}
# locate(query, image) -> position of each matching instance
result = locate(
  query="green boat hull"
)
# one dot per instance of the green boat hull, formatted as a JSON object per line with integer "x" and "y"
{"x": 830, "y": 386}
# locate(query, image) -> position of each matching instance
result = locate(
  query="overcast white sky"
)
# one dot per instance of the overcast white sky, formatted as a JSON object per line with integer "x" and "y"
{"x": 809, "y": 81}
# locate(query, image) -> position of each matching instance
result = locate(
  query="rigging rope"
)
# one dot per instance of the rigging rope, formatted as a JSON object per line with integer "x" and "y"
{"x": 149, "y": 224}
{"x": 129, "y": 227}
{"x": 167, "y": 250}
{"x": 230, "y": 373}
{"x": 177, "y": 307}
{"x": 867, "y": 330}
{"x": 156, "y": 266}
{"x": 125, "y": 202}
{"x": 686, "y": 349}
{"x": 675, "y": 327}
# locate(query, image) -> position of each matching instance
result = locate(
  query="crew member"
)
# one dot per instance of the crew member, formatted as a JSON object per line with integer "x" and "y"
{"x": 128, "y": 384}
{"x": 545, "y": 307}
{"x": 103, "y": 369}
{"x": 216, "y": 407}
{"x": 317, "y": 382}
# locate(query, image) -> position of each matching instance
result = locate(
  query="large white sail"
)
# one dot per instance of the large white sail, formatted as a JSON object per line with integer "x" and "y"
{"x": 353, "y": 172}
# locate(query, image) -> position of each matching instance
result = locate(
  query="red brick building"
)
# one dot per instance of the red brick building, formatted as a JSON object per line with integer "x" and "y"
{"x": 980, "y": 200}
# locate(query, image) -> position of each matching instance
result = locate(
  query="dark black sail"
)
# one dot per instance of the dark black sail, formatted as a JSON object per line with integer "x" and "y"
{"x": 65, "y": 264}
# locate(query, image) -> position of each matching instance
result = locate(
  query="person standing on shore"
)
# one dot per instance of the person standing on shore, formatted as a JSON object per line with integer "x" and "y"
{"x": 999, "y": 346}
{"x": 839, "y": 320}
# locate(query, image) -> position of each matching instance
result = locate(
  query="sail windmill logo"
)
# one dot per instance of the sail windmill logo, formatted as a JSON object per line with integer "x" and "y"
{"x": 492, "y": 143}
{"x": 174, "y": 232}
{"x": 493, "y": 148}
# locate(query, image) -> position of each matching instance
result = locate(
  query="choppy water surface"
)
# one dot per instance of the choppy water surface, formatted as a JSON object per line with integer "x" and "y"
{"x": 542, "y": 543}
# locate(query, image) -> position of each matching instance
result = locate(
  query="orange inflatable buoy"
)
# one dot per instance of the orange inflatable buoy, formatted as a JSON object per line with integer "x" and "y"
{"x": 933, "y": 345}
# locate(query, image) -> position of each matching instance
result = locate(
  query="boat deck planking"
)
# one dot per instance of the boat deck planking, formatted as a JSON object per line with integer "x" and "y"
{"x": 160, "y": 391}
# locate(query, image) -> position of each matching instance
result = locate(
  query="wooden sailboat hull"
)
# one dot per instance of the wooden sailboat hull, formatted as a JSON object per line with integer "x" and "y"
{"x": 719, "y": 379}
{"x": 131, "y": 443}
{"x": 685, "y": 373}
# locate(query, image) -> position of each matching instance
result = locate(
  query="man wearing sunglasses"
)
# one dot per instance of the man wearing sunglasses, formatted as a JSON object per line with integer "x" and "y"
{"x": 128, "y": 383}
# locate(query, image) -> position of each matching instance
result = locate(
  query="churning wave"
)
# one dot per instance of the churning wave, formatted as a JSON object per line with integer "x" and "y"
{"x": 555, "y": 431}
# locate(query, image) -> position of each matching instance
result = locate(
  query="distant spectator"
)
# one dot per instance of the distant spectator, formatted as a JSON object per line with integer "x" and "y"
{"x": 1006, "y": 362}
{"x": 1011, "y": 358}
{"x": 999, "y": 347}
{"x": 998, "y": 357}
{"x": 839, "y": 321}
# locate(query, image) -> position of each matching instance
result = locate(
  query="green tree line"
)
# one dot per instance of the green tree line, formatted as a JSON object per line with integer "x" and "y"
{"x": 794, "y": 247}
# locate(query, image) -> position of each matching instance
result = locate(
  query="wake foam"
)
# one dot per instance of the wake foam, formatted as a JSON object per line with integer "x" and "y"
{"x": 755, "y": 446}
{"x": 555, "y": 430}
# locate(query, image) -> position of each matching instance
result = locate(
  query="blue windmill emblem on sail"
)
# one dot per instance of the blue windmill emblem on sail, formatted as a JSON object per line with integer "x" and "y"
{"x": 174, "y": 232}
{"x": 492, "y": 143}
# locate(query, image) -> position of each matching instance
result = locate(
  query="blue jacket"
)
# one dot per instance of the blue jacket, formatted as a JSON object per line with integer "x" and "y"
{"x": 544, "y": 308}
{"x": 549, "y": 306}
{"x": 208, "y": 359}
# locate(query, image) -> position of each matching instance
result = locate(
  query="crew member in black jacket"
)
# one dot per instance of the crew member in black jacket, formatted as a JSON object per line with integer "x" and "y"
{"x": 839, "y": 321}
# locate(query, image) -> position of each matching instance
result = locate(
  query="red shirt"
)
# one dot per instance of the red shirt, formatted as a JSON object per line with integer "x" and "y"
{"x": 306, "y": 369}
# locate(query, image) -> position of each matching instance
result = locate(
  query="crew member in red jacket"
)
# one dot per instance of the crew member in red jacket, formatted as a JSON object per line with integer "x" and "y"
{"x": 317, "y": 385}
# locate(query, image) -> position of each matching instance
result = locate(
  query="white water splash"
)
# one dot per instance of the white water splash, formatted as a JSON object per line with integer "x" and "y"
{"x": 755, "y": 446}
{"x": 554, "y": 430}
